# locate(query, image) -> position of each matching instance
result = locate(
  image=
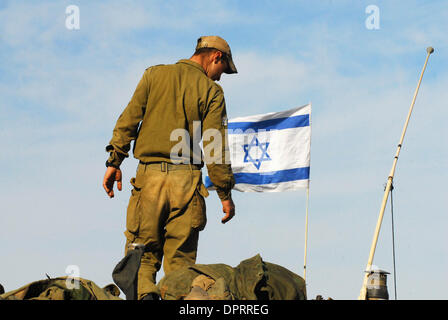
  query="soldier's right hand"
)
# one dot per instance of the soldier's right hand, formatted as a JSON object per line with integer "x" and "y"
{"x": 228, "y": 207}
{"x": 112, "y": 175}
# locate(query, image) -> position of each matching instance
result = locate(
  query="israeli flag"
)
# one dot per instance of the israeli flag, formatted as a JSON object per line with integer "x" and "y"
{"x": 270, "y": 152}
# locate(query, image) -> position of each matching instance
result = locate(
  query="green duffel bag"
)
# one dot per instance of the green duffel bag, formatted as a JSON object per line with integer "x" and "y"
{"x": 252, "y": 279}
{"x": 63, "y": 288}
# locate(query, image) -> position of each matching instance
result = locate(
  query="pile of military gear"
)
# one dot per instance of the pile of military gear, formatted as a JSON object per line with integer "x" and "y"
{"x": 252, "y": 279}
{"x": 63, "y": 288}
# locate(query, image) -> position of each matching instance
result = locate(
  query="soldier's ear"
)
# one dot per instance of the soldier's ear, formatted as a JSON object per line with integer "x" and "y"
{"x": 217, "y": 56}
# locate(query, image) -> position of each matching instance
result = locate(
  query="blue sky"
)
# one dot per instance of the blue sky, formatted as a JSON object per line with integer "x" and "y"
{"x": 62, "y": 90}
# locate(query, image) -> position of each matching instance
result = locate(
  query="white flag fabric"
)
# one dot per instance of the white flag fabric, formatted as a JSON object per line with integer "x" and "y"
{"x": 270, "y": 152}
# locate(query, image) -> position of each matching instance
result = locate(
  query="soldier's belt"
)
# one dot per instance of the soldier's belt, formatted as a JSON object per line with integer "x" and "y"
{"x": 165, "y": 166}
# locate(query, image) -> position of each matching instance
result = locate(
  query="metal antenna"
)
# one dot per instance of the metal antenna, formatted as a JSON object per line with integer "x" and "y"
{"x": 363, "y": 293}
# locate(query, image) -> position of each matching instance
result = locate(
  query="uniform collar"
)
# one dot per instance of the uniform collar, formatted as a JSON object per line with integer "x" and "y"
{"x": 193, "y": 64}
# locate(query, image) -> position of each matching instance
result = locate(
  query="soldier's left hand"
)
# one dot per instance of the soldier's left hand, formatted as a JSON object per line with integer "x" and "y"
{"x": 228, "y": 207}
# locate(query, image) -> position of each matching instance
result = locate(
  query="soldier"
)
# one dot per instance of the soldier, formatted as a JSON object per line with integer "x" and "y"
{"x": 166, "y": 209}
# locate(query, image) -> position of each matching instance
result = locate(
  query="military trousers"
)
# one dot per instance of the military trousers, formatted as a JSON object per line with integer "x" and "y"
{"x": 166, "y": 212}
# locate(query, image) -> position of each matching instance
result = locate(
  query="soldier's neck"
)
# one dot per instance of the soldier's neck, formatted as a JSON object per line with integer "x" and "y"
{"x": 201, "y": 60}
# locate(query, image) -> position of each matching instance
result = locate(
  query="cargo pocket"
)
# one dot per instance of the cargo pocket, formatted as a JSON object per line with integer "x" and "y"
{"x": 202, "y": 190}
{"x": 133, "y": 212}
{"x": 198, "y": 215}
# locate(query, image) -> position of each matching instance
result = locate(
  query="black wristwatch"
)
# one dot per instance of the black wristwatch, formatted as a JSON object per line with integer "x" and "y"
{"x": 108, "y": 164}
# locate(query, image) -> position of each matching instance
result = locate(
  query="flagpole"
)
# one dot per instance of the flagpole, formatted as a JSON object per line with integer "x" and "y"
{"x": 306, "y": 230}
{"x": 363, "y": 293}
{"x": 306, "y": 214}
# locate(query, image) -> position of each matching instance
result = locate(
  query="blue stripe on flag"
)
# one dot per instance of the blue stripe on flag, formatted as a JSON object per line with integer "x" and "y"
{"x": 268, "y": 177}
{"x": 271, "y": 124}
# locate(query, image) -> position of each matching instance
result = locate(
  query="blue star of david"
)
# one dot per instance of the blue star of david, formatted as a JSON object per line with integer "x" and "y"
{"x": 264, "y": 155}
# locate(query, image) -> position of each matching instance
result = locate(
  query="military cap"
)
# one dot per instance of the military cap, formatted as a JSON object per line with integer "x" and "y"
{"x": 219, "y": 43}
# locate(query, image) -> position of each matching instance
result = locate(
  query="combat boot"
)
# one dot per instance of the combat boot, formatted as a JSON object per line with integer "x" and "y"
{"x": 151, "y": 296}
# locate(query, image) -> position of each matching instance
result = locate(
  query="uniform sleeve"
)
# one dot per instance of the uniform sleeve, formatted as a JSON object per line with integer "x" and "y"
{"x": 126, "y": 128}
{"x": 218, "y": 161}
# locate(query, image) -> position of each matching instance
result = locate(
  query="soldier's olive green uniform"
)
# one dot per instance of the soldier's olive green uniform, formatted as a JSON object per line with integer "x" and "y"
{"x": 166, "y": 210}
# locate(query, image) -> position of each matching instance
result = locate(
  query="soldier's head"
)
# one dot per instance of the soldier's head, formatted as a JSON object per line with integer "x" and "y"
{"x": 214, "y": 55}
